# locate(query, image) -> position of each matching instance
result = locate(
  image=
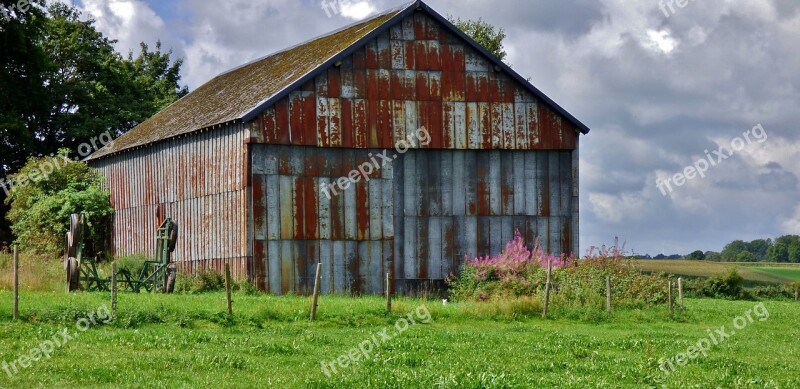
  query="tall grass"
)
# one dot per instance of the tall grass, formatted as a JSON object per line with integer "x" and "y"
{"x": 36, "y": 273}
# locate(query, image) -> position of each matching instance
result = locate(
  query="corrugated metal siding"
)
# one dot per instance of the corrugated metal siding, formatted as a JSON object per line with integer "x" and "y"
{"x": 467, "y": 202}
{"x": 416, "y": 218}
{"x": 199, "y": 181}
{"x": 294, "y": 224}
{"x": 416, "y": 74}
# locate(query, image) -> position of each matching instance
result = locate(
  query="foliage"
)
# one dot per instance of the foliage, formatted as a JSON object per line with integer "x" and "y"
{"x": 41, "y": 204}
{"x": 729, "y": 284}
{"x": 697, "y": 255}
{"x": 579, "y": 284}
{"x": 209, "y": 281}
{"x": 484, "y": 33}
{"x": 64, "y": 84}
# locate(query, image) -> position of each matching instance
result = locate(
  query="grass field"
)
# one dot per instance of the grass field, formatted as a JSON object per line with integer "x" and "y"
{"x": 187, "y": 341}
{"x": 775, "y": 273}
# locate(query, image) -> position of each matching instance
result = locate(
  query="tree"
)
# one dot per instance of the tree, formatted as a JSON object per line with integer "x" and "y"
{"x": 697, "y": 255}
{"x": 745, "y": 256}
{"x": 759, "y": 248}
{"x": 62, "y": 83}
{"x": 732, "y": 250}
{"x": 484, "y": 33}
{"x": 779, "y": 252}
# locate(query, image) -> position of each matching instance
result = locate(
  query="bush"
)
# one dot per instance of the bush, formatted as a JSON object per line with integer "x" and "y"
{"x": 41, "y": 204}
{"x": 731, "y": 285}
{"x": 518, "y": 271}
{"x": 209, "y": 281}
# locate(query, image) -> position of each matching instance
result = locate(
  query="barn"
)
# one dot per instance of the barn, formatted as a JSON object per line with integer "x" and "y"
{"x": 249, "y": 165}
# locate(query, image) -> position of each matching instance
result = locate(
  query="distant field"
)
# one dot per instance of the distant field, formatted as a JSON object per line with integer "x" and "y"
{"x": 774, "y": 273}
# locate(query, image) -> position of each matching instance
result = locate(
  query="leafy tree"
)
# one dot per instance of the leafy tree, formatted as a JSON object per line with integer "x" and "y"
{"x": 759, "y": 248}
{"x": 745, "y": 256}
{"x": 793, "y": 252}
{"x": 487, "y": 35}
{"x": 732, "y": 250}
{"x": 779, "y": 252}
{"x": 697, "y": 255}
{"x": 712, "y": 256}
{"x": 62, "y": 83}
{"x": 49, "y": 189}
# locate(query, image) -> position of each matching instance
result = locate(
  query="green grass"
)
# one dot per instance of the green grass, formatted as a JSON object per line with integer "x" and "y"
{"x": 789, "y": 274}
{"x": 759, "y": 272}
{"x": 187, "y": 341}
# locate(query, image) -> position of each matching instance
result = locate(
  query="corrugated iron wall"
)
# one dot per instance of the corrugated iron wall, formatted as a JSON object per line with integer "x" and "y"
{"x": 417, "y": 74}
{"x": 415, "y": 218}
{"x": 199, "y": 181}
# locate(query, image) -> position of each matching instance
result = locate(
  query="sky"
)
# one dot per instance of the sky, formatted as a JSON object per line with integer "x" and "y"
{"x": 712, "y": 87}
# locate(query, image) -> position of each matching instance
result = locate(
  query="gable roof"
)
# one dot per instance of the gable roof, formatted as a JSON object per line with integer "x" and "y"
{"x": 240, "y": 94}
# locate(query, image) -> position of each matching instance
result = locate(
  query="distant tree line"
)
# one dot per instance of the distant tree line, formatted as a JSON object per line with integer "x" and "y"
{"x": 783, "y": 249}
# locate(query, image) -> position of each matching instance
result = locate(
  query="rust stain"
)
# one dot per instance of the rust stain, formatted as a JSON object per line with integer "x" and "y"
{"x": 299, "y": 208}
{"x": 362, "y": 210}
{"x": 311, "y": 209}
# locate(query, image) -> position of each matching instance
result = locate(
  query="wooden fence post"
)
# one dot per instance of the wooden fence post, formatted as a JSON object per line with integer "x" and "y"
{"x": 680, "y": 293}
{"x": 608, "y": 294}
{"x": 114, "y": 288}
{"x": 228, "y": 287}
{"x": 669, "y": 293}
{"x": 388, "y": 292}
{"x": 795, "y": 293}
{"x": 547, "y": 289}
{"x": 16, "y": 281}
{"x": 316, "y": 291}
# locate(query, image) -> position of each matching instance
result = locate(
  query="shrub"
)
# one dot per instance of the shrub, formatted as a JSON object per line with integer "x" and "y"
{"x": 41, "y": 203}
{"x": 728, "y": 285}
{"x": 518, "y": 271}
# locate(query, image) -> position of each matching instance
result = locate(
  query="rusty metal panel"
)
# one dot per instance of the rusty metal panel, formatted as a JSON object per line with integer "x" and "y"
{"x": 507, "y": 194}
{"x": 448, "y": 254}
{"x": 515, "y": 181}
{"x": 374, "y": 193}
{"x": 542, "y": 184}
{"x": 339, "y": 260}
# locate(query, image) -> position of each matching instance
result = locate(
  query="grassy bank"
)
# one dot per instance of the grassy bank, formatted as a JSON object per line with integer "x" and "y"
{"x": 161, "y": 341}
{"x": 759, "y": 272}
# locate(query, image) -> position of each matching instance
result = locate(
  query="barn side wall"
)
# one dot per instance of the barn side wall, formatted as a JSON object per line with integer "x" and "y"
{"x": 199, "y": 181}
{"x": 416, "y": 217}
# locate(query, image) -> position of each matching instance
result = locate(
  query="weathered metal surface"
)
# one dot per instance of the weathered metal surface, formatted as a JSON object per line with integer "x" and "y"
{"x": 417, "y": 218}
{"x": 416, "y": 74}
{"x": 200, "y": 183}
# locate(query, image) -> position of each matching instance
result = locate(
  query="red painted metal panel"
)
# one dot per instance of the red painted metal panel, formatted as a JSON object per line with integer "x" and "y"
{"x": 385, "y": 124}
{"x": 372, "y": 84}
{"x": 362, "y": 210}
{"x": 423, "y": 88}
{"x": 282, "y": 121}
{"x": 347, "y": 123}
{"x": 409, "y": 51}
{"x": 360, "y": 124}
{"x": 334, "y": 82}
{"x": 371, "y": 55}
{"x": 421, "y": 55}
{"x": 434, "y": 56}
{"x": 384, "y": 84}
{"x": 372, "y": 123}
{"x": 420, "y": 28}
{"x": 296, "y": 130}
